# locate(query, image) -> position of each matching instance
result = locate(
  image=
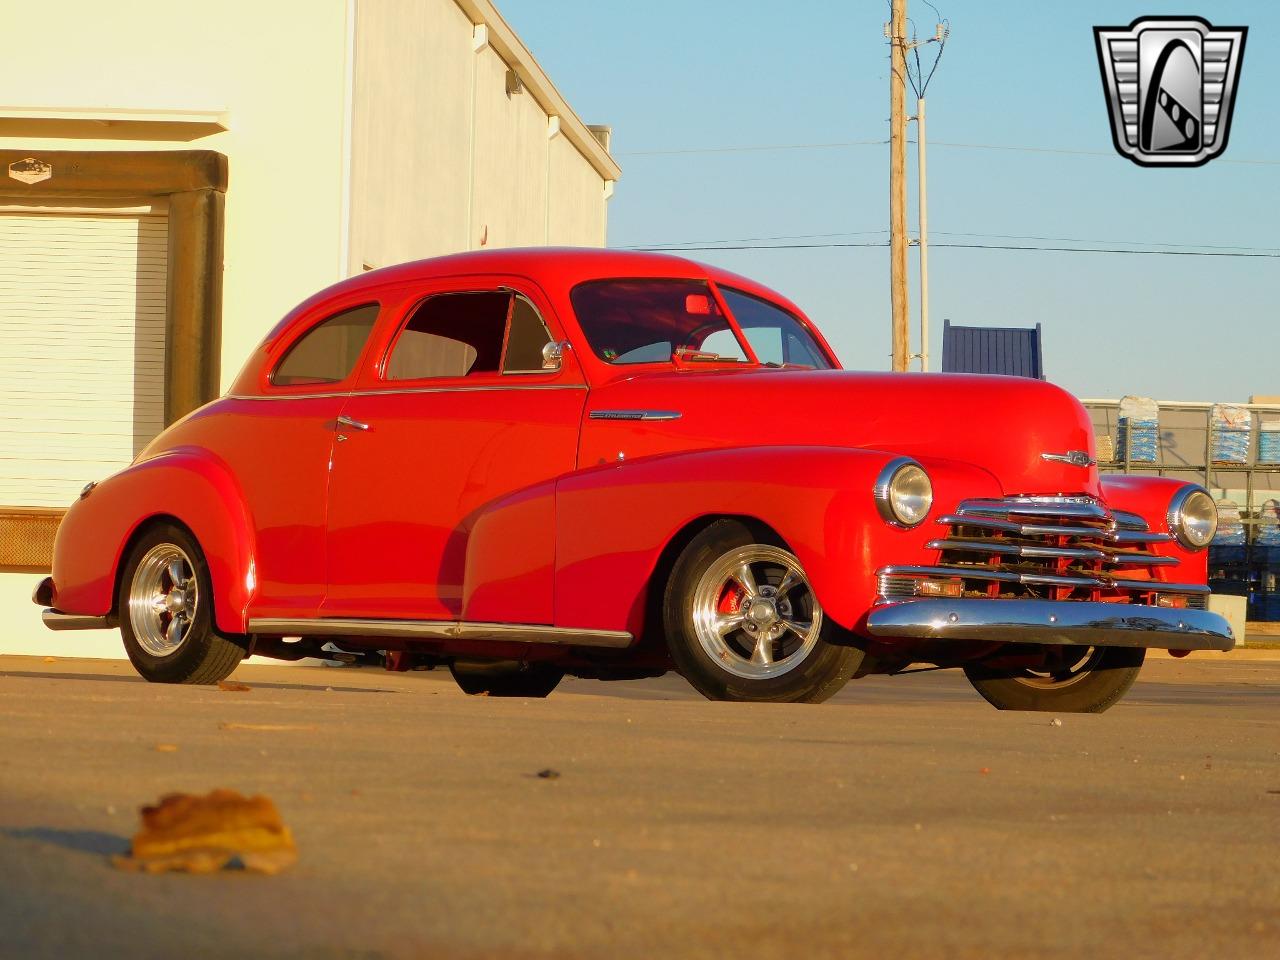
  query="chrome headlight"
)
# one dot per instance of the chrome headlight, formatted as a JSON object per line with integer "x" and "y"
{"x": 903, "y": 492}
{"x": 1193, "y": 517}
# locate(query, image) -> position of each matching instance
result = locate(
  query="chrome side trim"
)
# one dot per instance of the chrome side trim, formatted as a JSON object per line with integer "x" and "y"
{"x": 439, "y": 630}
{"x": 1078, "y": 553}
{"x": 1076, "y": 623}
{"x": 1046, "y": 579}
{"x": 635, "y": 415}
{"x": 57, "y": 620}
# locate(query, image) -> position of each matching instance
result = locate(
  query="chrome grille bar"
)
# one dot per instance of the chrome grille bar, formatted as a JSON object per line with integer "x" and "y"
{"x": 1075, "y": 553}
{"x": 1086, "y": 511}
{"x": 1101, "y": 582}
{"x": 1043, "y": 530}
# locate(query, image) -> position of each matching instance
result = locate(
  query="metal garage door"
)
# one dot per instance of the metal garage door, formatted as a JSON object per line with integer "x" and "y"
{"x": 82, "y": 318}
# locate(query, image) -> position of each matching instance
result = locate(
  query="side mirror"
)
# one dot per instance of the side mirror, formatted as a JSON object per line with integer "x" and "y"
{"x": 553, "y": 354}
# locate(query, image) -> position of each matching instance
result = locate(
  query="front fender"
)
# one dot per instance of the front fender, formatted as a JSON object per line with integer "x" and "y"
{"x": 188, "y": 484}
{"x": 1149, "y": 498}
{"x": 613, "y": 523}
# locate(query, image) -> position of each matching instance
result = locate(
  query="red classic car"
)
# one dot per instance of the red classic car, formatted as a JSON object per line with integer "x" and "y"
{"x": 527, "y": 463}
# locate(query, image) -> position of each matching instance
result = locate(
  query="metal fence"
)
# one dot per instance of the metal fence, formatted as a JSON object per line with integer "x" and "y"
{"x": 1237, "y": 464}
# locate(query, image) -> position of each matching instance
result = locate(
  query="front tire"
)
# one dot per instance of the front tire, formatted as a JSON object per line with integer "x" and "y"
{"x": 165, "y": 605}
{"x": 743, "y": 623}
{"x": 1073, "y": 680}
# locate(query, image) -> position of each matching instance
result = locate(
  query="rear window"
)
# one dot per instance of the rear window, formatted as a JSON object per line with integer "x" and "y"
{"x": 327, "y": 353}
{"x": 648, "y": 321}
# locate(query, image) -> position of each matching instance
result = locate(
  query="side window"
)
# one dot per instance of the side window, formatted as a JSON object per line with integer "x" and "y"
{"x": 451, "y": 335}
{"x": 327, "y": 353}
{"x": 463, "y": 334}
{"x": 525, "y": 339}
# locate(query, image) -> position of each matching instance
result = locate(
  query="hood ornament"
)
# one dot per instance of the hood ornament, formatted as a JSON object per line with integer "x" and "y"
{"x": 1077, "y": 458}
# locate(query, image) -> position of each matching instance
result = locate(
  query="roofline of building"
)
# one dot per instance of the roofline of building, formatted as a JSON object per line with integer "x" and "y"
{"x": 518, "y": 57}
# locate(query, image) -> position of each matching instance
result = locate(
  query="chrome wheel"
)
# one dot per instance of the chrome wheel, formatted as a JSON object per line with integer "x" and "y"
{"x": 1063, "y": 666}
{"x": 163, "y": 598}
{"x": 755, "y": 614}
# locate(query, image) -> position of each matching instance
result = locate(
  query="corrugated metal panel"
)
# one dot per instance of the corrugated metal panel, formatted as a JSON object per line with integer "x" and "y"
{"x": 82, "y": 318}
{"x": 1012, "y": 351}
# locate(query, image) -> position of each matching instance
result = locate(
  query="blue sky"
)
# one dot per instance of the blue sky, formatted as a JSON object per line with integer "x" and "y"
{"x": 699, "y": 74}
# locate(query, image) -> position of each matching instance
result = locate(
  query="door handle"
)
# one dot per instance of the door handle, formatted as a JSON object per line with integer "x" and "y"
{"x": 345, "y": 421}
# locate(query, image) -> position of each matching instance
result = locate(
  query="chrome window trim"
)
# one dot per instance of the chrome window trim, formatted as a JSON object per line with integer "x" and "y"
{"x": 484, "y": 388}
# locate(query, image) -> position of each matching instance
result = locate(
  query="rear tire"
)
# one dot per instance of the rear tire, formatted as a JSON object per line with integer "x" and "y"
{"x": 165, "y": 606}
{"x": 742, "y": 622}
{"x": 505, "y": 679}
{"x": 1090, "y": 684}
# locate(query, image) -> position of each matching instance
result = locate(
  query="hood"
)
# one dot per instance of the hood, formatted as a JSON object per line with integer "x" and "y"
{"x": 999, "y": 424}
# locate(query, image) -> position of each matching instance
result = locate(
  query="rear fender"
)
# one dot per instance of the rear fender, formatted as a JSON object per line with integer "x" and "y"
{"x": 613, "y": 523}
{"x": 188, "y": 485}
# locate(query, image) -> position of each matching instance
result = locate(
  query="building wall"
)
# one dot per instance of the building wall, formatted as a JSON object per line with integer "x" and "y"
{"x": 446, "y": 155}
{"x": 398, "y": 142}
{"x": 276, "y": 69}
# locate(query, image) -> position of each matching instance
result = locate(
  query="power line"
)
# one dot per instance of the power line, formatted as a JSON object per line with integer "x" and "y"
{"x": 718, "y": 244}
{"x": 1135, "y": 243}
{"x": 678, "y": 244}
{"x": 1148, "y": 251}
{"x": 754, "y": 148}
{"x": 1017, "y": 148}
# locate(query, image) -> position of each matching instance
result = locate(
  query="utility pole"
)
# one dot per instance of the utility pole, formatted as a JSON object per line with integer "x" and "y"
{"x": 898, "y": 183}
{"x": 923, "y": 242}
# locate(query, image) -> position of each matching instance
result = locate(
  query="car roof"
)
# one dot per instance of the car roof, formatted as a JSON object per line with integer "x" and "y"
{"x": 561, "y": 267}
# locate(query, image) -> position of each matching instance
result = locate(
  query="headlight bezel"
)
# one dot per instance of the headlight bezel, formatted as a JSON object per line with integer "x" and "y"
{"x": 888, "y": 489}
{"x": 1177, "y": 518}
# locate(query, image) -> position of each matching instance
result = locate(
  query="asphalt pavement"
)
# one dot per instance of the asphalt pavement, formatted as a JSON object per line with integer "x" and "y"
{"x": 905, "y": 818}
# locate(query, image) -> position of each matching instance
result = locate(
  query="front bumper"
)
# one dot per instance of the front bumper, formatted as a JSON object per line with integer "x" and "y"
{"x": 1069, "y": 622}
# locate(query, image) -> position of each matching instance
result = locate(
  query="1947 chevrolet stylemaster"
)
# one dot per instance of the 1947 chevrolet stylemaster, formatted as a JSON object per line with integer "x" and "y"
{"x": 527, "y": 463}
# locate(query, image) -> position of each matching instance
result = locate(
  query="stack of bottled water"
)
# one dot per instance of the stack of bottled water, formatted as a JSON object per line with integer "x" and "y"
{"x": 1139, "y": 429}
{"x": 1230, "y": 426}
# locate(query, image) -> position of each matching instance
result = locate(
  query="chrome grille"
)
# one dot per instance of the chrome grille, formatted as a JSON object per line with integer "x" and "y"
{"x": 1057, "y": 548}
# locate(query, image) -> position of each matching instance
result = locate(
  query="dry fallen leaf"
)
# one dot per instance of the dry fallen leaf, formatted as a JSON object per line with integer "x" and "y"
{"x": 204, "y": 834}
{"x": 233, "y": 686}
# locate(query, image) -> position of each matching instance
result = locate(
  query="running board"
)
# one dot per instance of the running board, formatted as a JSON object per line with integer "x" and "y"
{"x": 440, "y": 630}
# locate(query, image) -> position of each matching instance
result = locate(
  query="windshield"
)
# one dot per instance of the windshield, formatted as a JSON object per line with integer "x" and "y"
{"x": 776, "y": 337}
{"x": 660, "y": 321}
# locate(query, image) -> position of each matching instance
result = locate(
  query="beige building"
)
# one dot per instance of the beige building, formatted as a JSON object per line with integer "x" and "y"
{"x": 175, "y": 177}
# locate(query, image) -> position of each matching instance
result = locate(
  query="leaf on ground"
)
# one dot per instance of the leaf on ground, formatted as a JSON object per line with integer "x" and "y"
{"x": 233, "y": 686}
{"x": 204, "y": 834}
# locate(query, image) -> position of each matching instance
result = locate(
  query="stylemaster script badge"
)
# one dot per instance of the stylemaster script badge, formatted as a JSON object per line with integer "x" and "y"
{"x": 1170, "y": 84}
